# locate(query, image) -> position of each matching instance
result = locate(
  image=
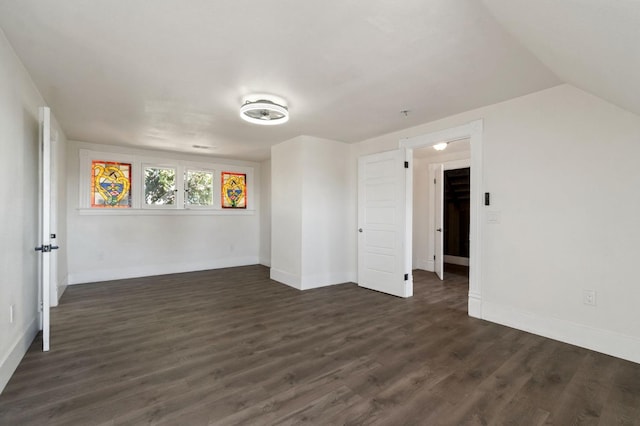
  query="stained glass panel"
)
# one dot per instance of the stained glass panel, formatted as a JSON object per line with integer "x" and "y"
{"x": 234, "y": 190}
{"x": 110, "y": 184}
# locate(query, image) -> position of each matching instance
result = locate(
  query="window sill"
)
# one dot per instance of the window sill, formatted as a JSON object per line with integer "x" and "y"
{"x": 164, "y": 212}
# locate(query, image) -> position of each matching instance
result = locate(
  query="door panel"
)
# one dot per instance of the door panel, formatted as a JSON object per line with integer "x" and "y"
{"x": 45, "y": 217}
{"x": 382, "y": 223}
{"x": 439, "y": 222}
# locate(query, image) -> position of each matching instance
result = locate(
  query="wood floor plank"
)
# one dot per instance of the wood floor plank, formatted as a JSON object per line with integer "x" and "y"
{"x": 230, "y": 346}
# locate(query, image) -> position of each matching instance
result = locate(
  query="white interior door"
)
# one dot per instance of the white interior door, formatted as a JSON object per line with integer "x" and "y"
{"x": 383, "y": 222}
{"x": 439, "y": 221}
{"x": 45, "y": 218}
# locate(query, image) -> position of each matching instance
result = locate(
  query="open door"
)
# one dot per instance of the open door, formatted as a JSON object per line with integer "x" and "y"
{"x": 439, "y": 221}
{"x": 383, "y": 220}
{"x": 45, "y": 217}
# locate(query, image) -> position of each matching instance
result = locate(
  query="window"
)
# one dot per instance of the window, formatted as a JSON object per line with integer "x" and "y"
{"x": 121, "y": 183}
{"x": 199, "y": 188}
{"x": 159, "y": 186}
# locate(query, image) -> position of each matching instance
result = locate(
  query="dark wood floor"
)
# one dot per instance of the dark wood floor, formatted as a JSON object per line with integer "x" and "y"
{"x": 231, "y": 347}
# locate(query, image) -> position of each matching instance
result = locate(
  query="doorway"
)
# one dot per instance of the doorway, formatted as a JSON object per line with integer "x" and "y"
{"x": 472, "y": 131}
{"x": 456, "y": 216}
{"x": 456, "y": 221}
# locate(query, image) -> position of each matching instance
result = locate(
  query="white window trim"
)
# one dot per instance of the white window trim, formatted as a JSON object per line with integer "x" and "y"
{"x": 139, "y": 208}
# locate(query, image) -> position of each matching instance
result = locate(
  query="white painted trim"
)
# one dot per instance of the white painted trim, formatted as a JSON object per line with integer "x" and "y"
{"x": 62, "y": 287}
{"x": 408, "y": 223}
{"x": 61, "y": 290}
{"x": 596, "y": 339}
{"x": 163, "y": 269}
{"x": 457, "y": 164}
{"x": 285, "y": 278}
{"x": 15, "y": 355}
{"x": 324, "y": 280}
{"x": 167, "y": 212}
{"x": 472, "y": 131}
{"x": 475, "y": 305}
{"x": 266, "y": 262}
{"x": 425, "y": 265}
{"x": 456, "y": 260}
{"x": 58, "y": 288}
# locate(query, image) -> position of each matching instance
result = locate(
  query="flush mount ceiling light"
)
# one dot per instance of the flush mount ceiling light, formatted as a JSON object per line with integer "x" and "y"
{"x": 440, "y": 146}
{"x": 264, "y": 110}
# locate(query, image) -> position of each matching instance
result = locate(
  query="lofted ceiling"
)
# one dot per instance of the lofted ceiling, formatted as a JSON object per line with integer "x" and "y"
{"x": 591, "y": 44}
{"x": 169, "y": 74}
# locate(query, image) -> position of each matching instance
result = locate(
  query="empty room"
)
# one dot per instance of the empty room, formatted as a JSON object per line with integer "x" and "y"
{"x": 331, "y": 213}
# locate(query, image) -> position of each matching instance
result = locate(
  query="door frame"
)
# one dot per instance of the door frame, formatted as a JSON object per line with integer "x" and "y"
{"x": 472, "y": 131}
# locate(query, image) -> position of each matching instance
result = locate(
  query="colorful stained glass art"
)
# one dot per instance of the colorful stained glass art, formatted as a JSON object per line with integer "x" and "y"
{"x": 234, "y": 190}
{"x": 110, "y": 184}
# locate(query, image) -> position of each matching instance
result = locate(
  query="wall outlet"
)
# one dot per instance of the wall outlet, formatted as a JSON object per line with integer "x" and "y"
{"x": 493, "y": 217}
{"x": 589, "y": 297}
{"x": 11, "y": 313}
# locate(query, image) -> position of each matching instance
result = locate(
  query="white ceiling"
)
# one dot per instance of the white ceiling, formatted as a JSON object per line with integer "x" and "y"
{"x": 171, "y": 74}
{"x": 591, "y": 44}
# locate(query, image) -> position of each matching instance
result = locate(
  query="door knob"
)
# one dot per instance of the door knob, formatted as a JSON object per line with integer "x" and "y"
{"x": 360, "y": 230}
{"x": 439, "y": 230}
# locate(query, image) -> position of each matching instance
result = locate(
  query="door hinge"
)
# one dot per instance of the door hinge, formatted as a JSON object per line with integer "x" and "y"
{"x": 406, "y": 277}
{"x": 434, "y": 181}
{"x": 434, "y": 257}
{"x": 406, "y": 164}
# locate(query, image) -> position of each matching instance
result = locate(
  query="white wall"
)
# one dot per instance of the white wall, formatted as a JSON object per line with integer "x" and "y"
{"x": 265, "y": 213}
{"x": 286, "y": 212}
{"x": 327, "y": 199}
{"x": 312, "y": 194}
{"x": 562, "y": 169}
{"x": 19, "y": 214}
{"x": 124, "y": 244}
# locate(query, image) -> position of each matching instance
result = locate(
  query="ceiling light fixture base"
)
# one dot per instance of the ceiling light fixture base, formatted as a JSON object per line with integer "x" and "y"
{"x": 265, "y": 110}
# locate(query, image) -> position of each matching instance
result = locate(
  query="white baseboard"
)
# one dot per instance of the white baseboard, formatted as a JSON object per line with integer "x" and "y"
{"x": 61, "y": 289}
{"x": 456, "y": 260}
{"x": 475, "y": 305}
{"x": 425, "y": 265}
{"x": 266, "y": 262}
{"x": 325, "y": 280}
{"x": 151, "y": 270}
{"x": 13, "y": 358}
{"x": 310, "y": 282}
{"x": 285, "y": 278}
{"x": 599, "y": 340}
{"x": 61, "y": 286}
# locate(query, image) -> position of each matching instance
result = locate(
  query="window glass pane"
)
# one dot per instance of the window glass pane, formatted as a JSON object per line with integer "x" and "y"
{"x": 234, "y": 190}
{"x": 159, "y": 186}
{"x": 110, "y": 184}
{"x": 199, "y": 188}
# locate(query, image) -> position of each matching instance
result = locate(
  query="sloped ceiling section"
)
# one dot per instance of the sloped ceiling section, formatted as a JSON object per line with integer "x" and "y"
{"x": 592, "y": 44}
